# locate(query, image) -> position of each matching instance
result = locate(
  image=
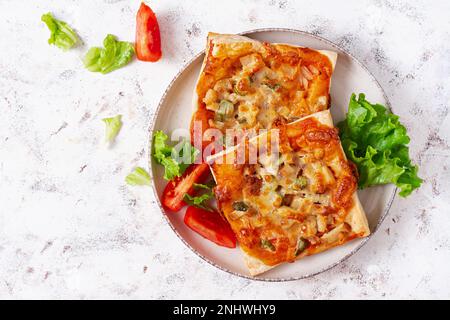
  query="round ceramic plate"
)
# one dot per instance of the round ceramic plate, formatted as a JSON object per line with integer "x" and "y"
{"x": 175, "y": 111}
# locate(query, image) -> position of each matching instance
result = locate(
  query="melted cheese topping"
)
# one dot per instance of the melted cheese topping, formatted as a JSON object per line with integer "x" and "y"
{"x": 263, "y": 82}
{"x": 295, "y": 204}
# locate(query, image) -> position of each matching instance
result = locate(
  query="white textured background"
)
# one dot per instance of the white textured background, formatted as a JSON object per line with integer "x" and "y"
{"x": 71, "y": 228}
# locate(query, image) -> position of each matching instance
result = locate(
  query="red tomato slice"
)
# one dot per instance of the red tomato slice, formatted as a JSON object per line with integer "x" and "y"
{"x": 175, "y": 190}
{"x": 148, "y": 38}
{"x": 211, "y": 226}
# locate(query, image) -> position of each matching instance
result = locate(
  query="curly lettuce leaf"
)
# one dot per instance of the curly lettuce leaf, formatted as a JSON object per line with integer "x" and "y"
{"x": 175, "y": 159}
{"x": 114, "y": 55}
{"x": 61, "y": 35}
{"x": 139, "y": 177}
{"x": 162, "y": 154}
{"x": 375, "y": 140}
{"x": 113, "y": 126}
{"x": 184, "y": 154}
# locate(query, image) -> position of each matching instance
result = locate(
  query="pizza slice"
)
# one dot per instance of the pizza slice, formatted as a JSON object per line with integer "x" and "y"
{"x": 289, "y": 199}
{"x": 248, "y": 84}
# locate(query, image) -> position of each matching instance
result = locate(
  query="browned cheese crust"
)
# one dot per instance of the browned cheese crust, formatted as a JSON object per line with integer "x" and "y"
{"x": 246, "y": 84}
{"x": 299, "y": 205}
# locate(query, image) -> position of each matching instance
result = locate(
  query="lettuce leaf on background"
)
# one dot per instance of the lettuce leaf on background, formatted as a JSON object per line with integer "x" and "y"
{"x": 138, "y": 177}
{"x": 113, "y": 126}
{"x": 61, "y": 35}
{"x": 375, "y": 140}
{"x": 114, "y": 55}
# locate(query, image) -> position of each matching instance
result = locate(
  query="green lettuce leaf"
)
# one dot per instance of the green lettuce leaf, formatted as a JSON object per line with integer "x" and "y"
{"x": 207, "y": 186}
{"x": 174, "y": 159}
{"x": 114, "y": 55}
{"x": 184, "y": 154}
{"x": 113, "y": 126}
{"x": 61, "y": 35}
{"x": 199, "y": 201}
{"x": 139, "y": 177}
{"x": 375, "y": 140}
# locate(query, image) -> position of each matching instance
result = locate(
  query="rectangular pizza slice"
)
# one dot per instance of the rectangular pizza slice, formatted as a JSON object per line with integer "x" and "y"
{"x": 248, "y": 84}
{"x": 295, "y": 198}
